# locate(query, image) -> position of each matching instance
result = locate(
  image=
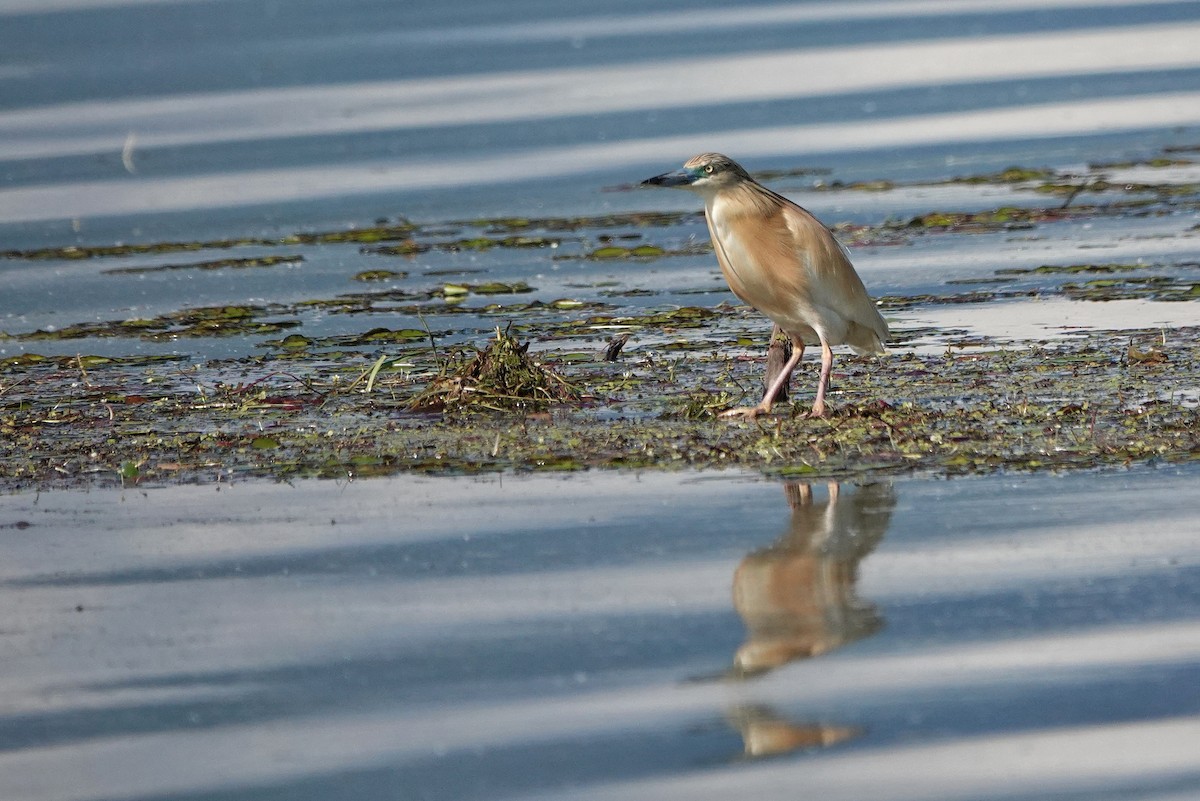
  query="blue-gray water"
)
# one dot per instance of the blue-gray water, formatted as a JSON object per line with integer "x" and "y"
{"x": 611, "y": 635}
{"x": 240, "y": 116}
{"x": 607, "y": 635}
{"x": 194, "y": 120}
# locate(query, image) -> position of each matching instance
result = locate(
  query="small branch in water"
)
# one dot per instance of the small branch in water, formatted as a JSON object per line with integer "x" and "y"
{"x": 86, "y": 381}
{"x": 14, "y": 384}
{"x": 243, "y": 388}
{"x": 432, "y": 341}
{"x": 1075, "y": 192}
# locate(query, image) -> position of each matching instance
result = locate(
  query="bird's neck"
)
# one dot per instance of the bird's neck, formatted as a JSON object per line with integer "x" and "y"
{"x": 746, "y": 199}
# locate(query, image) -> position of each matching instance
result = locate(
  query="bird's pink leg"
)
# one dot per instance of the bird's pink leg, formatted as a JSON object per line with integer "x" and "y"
{"x": 764, "y": 405}
{"x": 818, "y": 409}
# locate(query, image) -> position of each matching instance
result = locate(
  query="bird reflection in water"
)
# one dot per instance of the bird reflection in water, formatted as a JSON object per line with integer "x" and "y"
{"x": 797, "y": 598}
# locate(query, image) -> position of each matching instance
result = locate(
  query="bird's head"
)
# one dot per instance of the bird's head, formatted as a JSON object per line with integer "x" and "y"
{"x": 706, "y": 173}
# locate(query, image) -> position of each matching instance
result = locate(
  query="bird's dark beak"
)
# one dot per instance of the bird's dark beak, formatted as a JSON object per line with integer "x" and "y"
{"x": 677, "y": 178}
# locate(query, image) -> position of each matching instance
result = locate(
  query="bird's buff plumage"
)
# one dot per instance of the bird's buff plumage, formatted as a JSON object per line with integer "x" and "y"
{"x": 780, "y": 259}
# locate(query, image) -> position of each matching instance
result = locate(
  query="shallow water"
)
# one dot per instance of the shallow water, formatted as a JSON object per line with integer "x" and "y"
{"x": 608, "y": 635}
{"x": 227, "y": 120}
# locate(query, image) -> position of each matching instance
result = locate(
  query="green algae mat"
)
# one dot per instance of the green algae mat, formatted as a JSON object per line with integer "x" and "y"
{"x": 1099, "y": 399}
{"x": 488, "y": 374}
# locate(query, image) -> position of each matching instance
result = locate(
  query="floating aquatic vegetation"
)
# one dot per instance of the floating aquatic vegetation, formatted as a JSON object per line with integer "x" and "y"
{"x": 1157, "y": 163}
{"x": 893, "y": 302}
{"x": 644, "y": 219}
{"x": 371, "y": 339}
{"x": 617, "y": 252}
{"x": 407, "y": 248}
{"x": 343, "y": 405}
{"x": 376, "y": 335}
{"x": 1150, "y": 287}
{"x": 478, "y": 243}
{"x": 402, "y": 230}
{"x": 1010, "y": 175}
{"x": 1152, "y": 355}
{"x": 1072, "y": 269}
{"x": 78, "y": 252}
{"x": 860, "y": 186}
{"x": 629, "y": 293}
{"x": 204, "y": 321}
{"x": 379, "y": 275}
{"x": 216, "y": 264}
{"x": 700, "y": 404}
{"x": 1004, "y": 217}
{"x": 645, "y": 252}
{"x": 1081, "y": 403}
{"x": 87, "y": 361}
{"x": 669, "y": 319}
{"x": 498, "y": 288}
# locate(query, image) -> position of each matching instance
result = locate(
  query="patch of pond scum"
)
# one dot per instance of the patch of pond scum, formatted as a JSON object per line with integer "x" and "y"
{"x": 1101, "y": 399}
{"x": 386, "y": 400}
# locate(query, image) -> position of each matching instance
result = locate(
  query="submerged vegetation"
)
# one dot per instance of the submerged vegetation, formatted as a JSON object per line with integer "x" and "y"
{"x": 1102, "y": 399}
{"x": 617, "y": 377}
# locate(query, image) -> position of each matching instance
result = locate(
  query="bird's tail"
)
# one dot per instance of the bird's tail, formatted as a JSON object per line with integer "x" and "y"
{"x": 863, "y": 340}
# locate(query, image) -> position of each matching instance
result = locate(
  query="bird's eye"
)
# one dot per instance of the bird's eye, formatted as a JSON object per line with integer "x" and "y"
{"x": 708, "y": 168}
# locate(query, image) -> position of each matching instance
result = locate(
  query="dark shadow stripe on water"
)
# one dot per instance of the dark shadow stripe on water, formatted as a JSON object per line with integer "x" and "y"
{"x": 493, "y": 556}
{"x": 685, "y": 534}
{"x": 541, "y": 767}
{"x": 558, "y": 659}
{"x": 495, "y": 773}
{"x": 1074, "y": 605}
{"x": 385, "y": 784}
{"x": 225, "y": 45}
{"x": 926, "y": 514}
{"x": 542, "y": 661}
{"x": 578, "y": 191}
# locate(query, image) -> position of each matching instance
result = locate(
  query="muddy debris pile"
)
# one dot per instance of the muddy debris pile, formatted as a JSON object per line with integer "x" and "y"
{"x": 501, "y": 377}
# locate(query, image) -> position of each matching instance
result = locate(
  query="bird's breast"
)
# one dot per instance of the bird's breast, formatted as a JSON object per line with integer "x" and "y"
{"x": 759, "y": 261}
{"x": 782, "y": 261}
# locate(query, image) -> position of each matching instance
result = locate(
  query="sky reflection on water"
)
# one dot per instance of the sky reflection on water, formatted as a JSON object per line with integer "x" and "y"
{"x": 439, "y": 113}
{"x": 614, "y": 635}
{"x": 636, "y": 636}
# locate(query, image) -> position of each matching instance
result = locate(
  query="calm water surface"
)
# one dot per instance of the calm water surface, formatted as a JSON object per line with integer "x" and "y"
{"x": 608, "y": 636}
{"x": 192, "y": 120}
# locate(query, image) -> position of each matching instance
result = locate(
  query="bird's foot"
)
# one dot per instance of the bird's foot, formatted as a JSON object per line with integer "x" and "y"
{"x": 744, "y": 412}
{"x": 818, "y": 410}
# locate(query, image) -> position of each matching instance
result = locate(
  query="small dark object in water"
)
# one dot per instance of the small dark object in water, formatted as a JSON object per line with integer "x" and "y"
{"x": 1152, "y": 355}
{"x": 612, "y": 351}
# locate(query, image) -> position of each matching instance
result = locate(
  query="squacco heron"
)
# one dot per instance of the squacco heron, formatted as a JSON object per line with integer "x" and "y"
{"x": 780, "y": 259}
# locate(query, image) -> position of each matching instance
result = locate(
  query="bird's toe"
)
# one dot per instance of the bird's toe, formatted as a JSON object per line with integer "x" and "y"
{"x": 743, "y": 413}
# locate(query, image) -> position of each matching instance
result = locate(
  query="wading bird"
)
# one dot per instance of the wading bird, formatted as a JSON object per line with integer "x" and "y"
{"x": 781, "y": 260}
